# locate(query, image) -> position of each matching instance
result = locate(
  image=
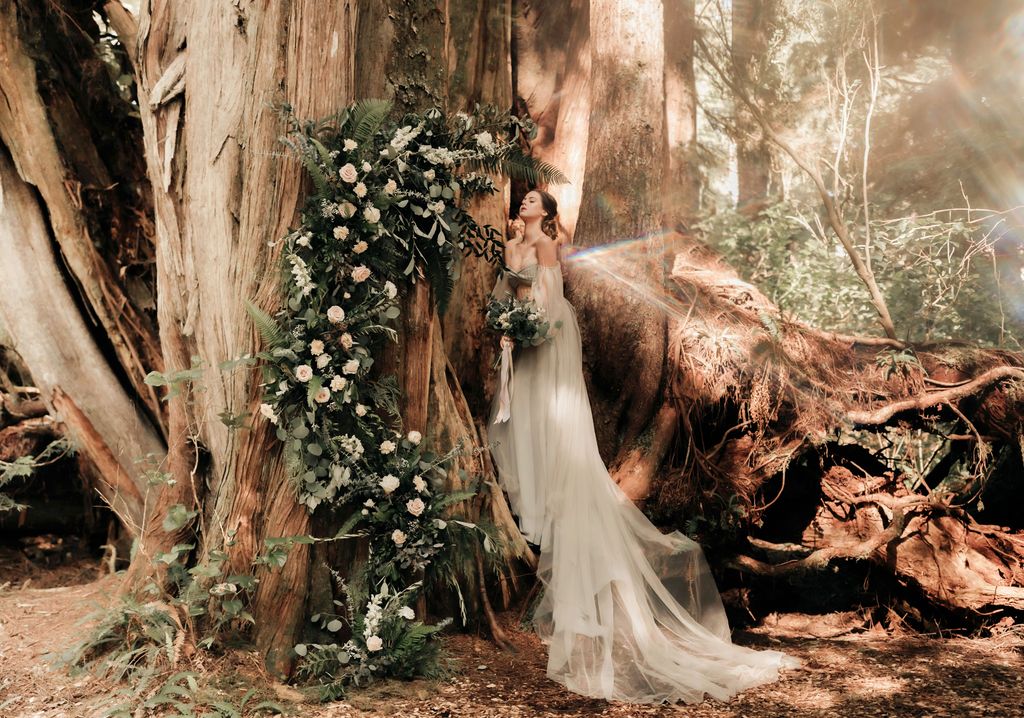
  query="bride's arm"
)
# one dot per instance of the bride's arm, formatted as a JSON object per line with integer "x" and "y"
{"x": 548, "y": 252}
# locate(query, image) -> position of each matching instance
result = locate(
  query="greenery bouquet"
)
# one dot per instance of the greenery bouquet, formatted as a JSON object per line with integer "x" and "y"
{"x": 522, "y": 320}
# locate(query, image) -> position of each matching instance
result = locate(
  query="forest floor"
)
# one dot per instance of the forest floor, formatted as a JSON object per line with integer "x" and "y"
{"x": 848, "y": 671}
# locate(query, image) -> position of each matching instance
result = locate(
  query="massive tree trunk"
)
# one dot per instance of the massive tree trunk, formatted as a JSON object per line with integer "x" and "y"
{"x": 616, "y": 292}
{"x": 224, "y": 188}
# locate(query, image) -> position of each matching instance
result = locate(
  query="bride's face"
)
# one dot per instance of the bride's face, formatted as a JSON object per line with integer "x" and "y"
{"x": 531, "y": 207}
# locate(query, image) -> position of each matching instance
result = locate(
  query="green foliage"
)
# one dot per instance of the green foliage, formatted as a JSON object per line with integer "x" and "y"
{"x": 23, "y": 467}
{"x": 387, "y": 212}
{"x": 928, "y": 269}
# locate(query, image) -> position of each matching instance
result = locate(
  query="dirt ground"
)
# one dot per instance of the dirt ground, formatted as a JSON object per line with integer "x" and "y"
{"x": 856, "y": 673}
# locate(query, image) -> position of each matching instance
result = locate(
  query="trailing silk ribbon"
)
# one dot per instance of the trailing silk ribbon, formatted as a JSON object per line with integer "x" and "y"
{"x": 505, "y": 398}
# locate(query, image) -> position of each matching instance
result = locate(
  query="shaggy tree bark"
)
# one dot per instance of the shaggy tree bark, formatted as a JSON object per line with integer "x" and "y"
{"x": 61, "y": 121}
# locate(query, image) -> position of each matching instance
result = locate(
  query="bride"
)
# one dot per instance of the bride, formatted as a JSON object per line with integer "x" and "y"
{"x": 628, "y": 613}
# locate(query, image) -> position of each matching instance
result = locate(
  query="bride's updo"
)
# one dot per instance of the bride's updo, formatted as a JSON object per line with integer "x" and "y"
{"x": 549, "y": 225}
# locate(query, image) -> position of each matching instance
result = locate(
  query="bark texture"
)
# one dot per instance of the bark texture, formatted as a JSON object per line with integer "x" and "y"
{"x": 224, "y": 187}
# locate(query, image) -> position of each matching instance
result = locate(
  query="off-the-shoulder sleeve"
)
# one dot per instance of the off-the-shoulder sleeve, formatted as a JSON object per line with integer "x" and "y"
{"x": 547, "y": 287}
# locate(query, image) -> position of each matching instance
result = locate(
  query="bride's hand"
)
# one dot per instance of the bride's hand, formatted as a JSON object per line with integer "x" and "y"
{"x": 507, "y": 341}
{"x": 516, "y": 228}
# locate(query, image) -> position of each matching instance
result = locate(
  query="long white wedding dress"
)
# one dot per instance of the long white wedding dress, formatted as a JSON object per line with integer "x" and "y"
{"x": 628, "y": 613}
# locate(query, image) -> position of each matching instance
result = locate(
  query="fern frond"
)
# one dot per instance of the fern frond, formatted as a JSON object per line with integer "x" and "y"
{"x": 513, "y": 164}
{"x": 268, "y": 328}
{"x": 367, "y": 116}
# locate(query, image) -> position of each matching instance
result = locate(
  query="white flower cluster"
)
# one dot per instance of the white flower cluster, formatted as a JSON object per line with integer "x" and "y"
{"x": 438, "y": 155}
{"x": 372, "y": 621}
{"x": 405, "y": 135}
{"x": 267, "y": 410}
{"x": 300, "y": 271}
{"x": 351, "y": 445}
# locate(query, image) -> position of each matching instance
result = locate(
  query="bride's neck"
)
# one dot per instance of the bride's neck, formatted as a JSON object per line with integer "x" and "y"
{"x": 532, "y": 232}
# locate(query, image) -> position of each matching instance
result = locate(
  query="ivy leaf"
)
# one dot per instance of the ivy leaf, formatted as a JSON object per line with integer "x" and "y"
{"x": 177, "y": 516}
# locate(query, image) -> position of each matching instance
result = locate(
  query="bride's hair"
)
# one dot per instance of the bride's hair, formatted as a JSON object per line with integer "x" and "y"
{"x": 549, "y": 225}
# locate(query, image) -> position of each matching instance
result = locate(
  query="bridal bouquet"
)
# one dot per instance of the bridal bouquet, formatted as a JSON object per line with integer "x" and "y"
{"x": 526, "y": 324}
{"x": 522, "y": 320}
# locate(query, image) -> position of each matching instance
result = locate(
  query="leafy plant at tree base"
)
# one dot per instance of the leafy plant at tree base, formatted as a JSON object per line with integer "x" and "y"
{"x": 387, "y": 212}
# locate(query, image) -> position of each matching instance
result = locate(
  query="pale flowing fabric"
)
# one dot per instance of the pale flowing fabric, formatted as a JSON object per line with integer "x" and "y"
{"x": 628, "y": 613}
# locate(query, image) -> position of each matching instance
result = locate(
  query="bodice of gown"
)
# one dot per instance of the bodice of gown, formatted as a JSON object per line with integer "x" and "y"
{"x": 523, "y": 277}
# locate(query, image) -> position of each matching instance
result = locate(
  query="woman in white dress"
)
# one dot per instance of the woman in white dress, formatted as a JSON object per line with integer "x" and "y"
{"x": 628, "y": 613}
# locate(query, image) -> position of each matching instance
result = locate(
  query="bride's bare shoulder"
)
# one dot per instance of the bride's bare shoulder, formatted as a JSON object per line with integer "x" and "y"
{"x": 547, "y": 250}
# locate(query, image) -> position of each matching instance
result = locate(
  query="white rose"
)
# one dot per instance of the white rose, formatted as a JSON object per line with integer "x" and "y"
{"x": 367, "y": 166}
{"x": 390, "y": 187}
{"x": 340, "y": 232}
{"x": 485, "y": 140}
{"x": 419, "y": 483}
{"x": 406, "y": 612}
{"x": 398, "y": 536}
{"x": 360, "y": 273}
{"x": 389, "y": 483}
{"x": 268, "y": 411}
{"x": 359, "y": 190}
{"x": 303, "y": 372}
{"x": 387, "y": 446}
{"x": 429, "y": 175}
{"x": 316, "y": 347}
{"x": 414, "y": 437}
{"x": 349, "y": 173}
{"x": 323, "y": 360}
{"x": 351, "y": 366}
{"x": 346, "y": 210}
{"x": 349, "y": 145}
{"x": 335, "y": 314}
{"x": 415, "y": 506}
{"x": 360, "y": 410}
{"x": 322, "y": 395}
{"x": 371, "y": 214}
{"x": 360, "y": 247}
{"x": 346, "y": 340}
{"x": 390, "y": 289}
{"x": 374, "y": 643}
{"x": 338, "y": 383}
